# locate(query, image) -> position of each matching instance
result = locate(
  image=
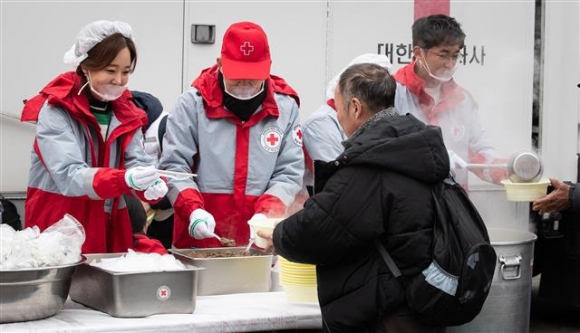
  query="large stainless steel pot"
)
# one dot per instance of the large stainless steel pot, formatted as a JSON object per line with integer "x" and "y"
{"x": 507, "y": 307}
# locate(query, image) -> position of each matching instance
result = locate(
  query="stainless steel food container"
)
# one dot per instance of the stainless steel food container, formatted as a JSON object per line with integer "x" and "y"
{"x": 134, "y": 294}
{"x": 230, "y": 275}
{"x": 34, "y": 293}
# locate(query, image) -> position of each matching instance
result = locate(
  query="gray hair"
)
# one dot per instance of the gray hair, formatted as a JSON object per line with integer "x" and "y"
{"x": 370, "y": 83}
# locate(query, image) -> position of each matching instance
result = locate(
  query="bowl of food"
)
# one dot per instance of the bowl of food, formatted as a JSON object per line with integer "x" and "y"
{"x": 265, "y": 225}
{"x": 525, "y": 192}
{"x": 34, "y": 293}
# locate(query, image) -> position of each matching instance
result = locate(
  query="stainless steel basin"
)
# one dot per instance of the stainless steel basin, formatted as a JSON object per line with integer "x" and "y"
{"x": 35, "y": 293}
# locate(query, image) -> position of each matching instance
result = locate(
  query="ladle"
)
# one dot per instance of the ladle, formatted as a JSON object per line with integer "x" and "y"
{"x": 523, "y": 166}
{"x": 224, "y": 241}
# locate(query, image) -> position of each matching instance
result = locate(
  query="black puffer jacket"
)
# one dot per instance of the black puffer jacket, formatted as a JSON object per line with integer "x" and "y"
{"x": 380, "y": 187}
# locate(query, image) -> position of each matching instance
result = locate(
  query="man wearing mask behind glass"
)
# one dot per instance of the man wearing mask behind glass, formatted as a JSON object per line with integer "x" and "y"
{"x": 237, "y": 127}
{"x": 426, "y": 89}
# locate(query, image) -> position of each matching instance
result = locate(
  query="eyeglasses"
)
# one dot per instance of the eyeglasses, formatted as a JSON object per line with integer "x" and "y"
{"x": 447, "y": 56}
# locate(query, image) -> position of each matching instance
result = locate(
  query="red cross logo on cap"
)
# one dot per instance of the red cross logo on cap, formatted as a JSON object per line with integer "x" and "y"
{"x": 247, "y": 48}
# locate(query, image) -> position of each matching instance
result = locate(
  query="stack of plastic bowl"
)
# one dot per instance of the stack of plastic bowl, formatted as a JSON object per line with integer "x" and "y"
{"x": 299, "y": 281}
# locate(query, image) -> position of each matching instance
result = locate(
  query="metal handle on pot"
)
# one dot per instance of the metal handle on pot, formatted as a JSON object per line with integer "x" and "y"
{"x": 510, "y": 262}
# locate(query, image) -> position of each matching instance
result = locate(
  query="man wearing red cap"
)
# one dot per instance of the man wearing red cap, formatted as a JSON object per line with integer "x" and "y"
{"x": 238, "y": 128}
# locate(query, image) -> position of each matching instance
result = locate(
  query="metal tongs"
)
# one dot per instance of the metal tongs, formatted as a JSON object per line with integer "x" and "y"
{"x": 176, "y": 175}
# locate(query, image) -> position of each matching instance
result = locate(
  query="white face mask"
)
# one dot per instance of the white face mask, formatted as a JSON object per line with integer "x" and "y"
{"x": 109, "y": 92}
{"x": 243, "y": 93}
{"x": 445, "y": 74}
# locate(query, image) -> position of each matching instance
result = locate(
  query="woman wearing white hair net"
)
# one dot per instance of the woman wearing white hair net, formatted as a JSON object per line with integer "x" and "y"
{"x": 322, "y": 134}
{"x": 88, "y": 148}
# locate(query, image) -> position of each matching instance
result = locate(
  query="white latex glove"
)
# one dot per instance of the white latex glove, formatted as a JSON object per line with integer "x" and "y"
{"x": 156, "y": 191}
{"x": 456, "y": 162}
{"x": 140, "y": 178}
{"x": 201, "y": 224}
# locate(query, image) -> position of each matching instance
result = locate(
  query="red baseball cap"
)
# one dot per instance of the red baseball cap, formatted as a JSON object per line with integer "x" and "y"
{"x": 245, "y": 52}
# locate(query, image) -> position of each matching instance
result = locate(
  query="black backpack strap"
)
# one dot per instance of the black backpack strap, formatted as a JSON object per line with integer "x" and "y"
{"x": 387, "y": 258}
{"x": 161, "y": 131}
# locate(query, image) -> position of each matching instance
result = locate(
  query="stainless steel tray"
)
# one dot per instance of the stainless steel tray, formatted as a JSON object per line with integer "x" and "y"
{"x": 138, "y": 294}
{"x": 230, "y": 275}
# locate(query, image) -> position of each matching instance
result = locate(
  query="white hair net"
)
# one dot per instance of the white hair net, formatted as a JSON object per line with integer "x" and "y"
{"x": 371, "y": 58}
{"x": 91, "y": 35}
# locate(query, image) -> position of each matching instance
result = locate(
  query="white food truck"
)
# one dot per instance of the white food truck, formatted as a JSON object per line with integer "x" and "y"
{"x": 522, "y": 65}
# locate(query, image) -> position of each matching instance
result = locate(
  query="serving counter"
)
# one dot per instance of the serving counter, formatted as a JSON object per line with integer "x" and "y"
{"x": 221, "y": 313}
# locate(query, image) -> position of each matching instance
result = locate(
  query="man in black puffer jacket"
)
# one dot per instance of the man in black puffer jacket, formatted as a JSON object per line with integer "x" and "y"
{"x": 378, "y": 188}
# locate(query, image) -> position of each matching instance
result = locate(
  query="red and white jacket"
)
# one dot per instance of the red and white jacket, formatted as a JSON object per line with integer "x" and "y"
{"x": 243, "y": 167}
{"x": 75, "y": 171}
{"x": 457, "y": 115}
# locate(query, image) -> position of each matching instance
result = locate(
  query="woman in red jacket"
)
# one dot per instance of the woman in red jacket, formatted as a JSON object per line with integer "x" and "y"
{"x": 87, "y": 151}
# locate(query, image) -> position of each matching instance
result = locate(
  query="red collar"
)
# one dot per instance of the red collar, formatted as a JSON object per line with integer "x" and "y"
{"x": 331, "y": 103}
{"x": 208, "y": 86}
{"x": 63, "y": 91}
{"x": 451, "y": 93}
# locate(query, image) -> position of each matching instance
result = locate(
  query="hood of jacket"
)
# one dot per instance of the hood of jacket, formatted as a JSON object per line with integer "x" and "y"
{"x": 400, "y": 143}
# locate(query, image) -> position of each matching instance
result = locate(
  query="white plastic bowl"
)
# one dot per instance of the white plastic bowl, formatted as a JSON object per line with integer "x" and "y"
{"x": 266, "y": 225}
{"x": 525, "y": 192}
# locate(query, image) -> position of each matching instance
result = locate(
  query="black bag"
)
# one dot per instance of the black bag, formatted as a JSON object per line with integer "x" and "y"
{"x": 10, "y": 214}
{"x": 452, "y": 290}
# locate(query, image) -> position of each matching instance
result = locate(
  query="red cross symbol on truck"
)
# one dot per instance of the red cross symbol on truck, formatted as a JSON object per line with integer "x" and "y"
{"x": 163, "y": 293}
{"x": 272, "y": 139}
{"x": 247, "y": 48}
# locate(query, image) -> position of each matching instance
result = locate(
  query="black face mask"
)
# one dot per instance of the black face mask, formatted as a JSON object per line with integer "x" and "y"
{"x": 243, "y": 109}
